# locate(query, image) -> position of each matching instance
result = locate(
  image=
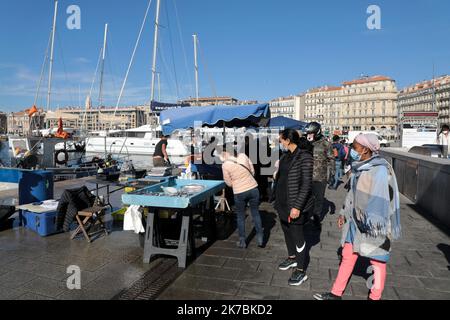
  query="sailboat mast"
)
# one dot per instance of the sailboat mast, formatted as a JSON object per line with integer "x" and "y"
{"x": 155, "y": 51}
{"x": 100, "y": 98}
{"x": 159, "y": 86}
{"x": 197, "y": 94}
{"x": 50, "y": 73}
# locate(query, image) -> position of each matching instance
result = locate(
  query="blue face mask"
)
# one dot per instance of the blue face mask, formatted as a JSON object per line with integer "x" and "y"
{"x": 355, "y": 155}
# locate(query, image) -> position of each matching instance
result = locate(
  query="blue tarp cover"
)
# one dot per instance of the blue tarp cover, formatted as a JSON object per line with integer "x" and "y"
{"x": 185, "y": 118}
{"x": 287, "y": 123}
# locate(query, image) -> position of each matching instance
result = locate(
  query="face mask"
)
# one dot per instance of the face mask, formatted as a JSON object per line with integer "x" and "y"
{"x": 355, "y": 155}
{"x": 283, "y": 148}
{"x": 445, "y": 132}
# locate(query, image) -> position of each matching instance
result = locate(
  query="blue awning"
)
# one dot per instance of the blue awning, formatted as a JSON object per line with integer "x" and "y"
{"x": 211, "y": 116}
{"x": 287, "y": 123}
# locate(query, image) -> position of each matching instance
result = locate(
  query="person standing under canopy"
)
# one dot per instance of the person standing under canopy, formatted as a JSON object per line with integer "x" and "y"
{"x": 160, "y": 156}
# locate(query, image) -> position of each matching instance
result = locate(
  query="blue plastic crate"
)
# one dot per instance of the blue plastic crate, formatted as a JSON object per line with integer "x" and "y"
{"x": 42, "y": 223}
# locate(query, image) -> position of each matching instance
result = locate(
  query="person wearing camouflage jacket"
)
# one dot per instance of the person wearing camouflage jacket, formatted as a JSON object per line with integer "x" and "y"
{"x": 323, "y": 159}
{"x": 323, "y": 162}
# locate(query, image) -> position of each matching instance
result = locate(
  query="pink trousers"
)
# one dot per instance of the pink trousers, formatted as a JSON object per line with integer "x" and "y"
{"x": 349, "y": 259}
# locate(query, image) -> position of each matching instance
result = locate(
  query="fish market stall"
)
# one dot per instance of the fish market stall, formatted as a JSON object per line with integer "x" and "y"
{"x": 180, "y": 197}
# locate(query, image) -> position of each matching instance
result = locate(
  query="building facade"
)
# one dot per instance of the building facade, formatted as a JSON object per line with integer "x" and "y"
{"x": 443, "y": 104}
{"x": 3, "y": 123}
{"x": 211, "y": 101}
{"x": 98, "y": 119}
{"x": 420, "y": 103}
{"x": 290, "y": 107}
{"x": 368, "y": 104}
{"x": 21, "y": 124}
{"x": 323, "y": 105}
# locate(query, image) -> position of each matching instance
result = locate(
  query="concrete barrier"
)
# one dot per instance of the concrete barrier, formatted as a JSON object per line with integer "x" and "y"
{"x": 423, "y": 180}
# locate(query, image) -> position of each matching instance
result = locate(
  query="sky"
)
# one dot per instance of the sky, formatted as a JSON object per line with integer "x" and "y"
{"x": 248, "y": 49}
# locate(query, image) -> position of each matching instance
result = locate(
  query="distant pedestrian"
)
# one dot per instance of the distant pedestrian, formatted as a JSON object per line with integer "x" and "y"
{"x": 294, "y": 200}
{"x": 370, "y": 218}
{"x": 160, "y": 156}
{"x": 444, "y": 140}
{"x": 339, "y": 158}
{"x": 238, "y": 173}
{"x": 323, "y": 162}
{"x": 444, "y": 136}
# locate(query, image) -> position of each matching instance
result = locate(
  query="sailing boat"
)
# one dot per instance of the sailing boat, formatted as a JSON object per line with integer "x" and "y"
{"x": 37, "y": 150}
{"x": 142, "y": 140}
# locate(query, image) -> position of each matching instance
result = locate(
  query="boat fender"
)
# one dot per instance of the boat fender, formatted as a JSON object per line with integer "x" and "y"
{"x": 58, "y": 159}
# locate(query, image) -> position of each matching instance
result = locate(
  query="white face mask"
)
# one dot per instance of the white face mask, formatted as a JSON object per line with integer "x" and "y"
{"x": 283, "y": 148}
{"x": 445, "y": 132}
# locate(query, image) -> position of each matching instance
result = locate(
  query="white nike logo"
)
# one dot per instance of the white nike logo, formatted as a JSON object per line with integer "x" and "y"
{"x": 301, "y": 250}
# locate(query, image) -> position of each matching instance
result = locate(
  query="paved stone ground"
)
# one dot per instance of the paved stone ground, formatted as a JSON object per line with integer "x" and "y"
{"x": 419, "y": 268}
{"x": 32, "y": 267}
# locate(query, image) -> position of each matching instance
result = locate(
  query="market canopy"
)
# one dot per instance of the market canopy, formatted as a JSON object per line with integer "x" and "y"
{"x": 286, "y": 123}
{"x": 212, "y": 116}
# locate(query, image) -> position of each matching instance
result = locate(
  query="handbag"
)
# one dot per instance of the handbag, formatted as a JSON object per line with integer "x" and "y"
{"x": 225, "y": 225}
{"x": 273, "y": 191}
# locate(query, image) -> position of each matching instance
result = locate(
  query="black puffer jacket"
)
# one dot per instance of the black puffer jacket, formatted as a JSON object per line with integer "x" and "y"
{"x": 300, "y": 178}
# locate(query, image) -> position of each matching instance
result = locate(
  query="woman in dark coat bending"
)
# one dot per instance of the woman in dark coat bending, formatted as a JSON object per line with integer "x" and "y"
{"x": 294, "y": 200}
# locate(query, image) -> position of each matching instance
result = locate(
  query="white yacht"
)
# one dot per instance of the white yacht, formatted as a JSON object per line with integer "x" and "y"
{"x": 138, "y": 141}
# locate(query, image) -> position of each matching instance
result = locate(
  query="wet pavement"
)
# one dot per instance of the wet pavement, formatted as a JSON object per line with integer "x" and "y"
{"x": 419, "y": 268}
{"x": 32, "y": 267}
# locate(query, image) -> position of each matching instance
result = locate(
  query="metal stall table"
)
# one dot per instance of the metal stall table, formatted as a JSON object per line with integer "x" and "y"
{"x": 186, "y": 196}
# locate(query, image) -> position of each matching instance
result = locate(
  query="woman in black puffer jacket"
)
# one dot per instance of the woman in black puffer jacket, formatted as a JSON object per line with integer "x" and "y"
{"x": 294, "y": 200}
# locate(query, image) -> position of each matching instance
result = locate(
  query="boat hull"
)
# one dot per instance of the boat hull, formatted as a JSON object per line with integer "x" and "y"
{"x": 133, "y": 146}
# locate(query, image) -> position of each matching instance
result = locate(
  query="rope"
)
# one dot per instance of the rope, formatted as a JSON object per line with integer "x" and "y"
{"x": 110, "y": 64}
{"x": 210, "y": 79}
{"x": 92, "y": 88}
{"x": 132, "y": 59}
{"x": 60, "y": 46}
{"x": 183, "y": 48}
{"x": 173, "y": 56}
{"x": 44, "y": 64}
{"x": 166, "y": 68}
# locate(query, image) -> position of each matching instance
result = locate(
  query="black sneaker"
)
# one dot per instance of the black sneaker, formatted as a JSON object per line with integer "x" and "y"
{"x": 288, "y": 264}
{"x": 298, "y": 277}
{"x": 326, "y": 296}
{"x": 317, "y": 223}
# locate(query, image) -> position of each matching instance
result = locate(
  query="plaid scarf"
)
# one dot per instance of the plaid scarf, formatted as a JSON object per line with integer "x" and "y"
{"x": 376, "y": 208}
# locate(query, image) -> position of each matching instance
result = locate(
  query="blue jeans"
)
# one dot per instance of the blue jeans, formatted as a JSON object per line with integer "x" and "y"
{"x": 240, "y": 200}
{"x": 338, "y": 175}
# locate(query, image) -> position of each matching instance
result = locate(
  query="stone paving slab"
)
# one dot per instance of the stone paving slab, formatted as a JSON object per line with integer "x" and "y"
{"x": 419, "y": 268}
{"x": 34, "y": 268}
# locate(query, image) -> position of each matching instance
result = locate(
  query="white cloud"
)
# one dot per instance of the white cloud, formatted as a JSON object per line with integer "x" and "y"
{"x": 67, "y": 89}
{"x": 82, "y": 60}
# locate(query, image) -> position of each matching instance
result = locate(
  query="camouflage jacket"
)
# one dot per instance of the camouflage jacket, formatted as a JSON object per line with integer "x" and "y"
{"x": 323, "y": 159}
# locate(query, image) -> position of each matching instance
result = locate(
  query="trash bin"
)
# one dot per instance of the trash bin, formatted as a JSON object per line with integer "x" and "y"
{"x": 35, "y": 186}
